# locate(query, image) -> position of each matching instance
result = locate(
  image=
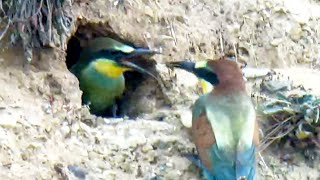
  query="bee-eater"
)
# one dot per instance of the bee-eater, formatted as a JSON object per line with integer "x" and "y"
{"x": 100, "y": 72}
{"x": 224, "y": 127}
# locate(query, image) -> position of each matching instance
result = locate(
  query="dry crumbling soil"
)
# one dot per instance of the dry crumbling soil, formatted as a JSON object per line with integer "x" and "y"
{"x": 44, "y": 129}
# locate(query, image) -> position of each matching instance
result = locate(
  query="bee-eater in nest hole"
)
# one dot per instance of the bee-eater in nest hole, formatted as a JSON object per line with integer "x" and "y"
{"x": 100, "y": 71}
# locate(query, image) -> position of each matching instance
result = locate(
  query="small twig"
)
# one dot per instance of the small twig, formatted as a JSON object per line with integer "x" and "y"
{"x": 5, "y": 29}
{"x": 252, "y": 50}
{"x": 173, "y": 34}
{"x": 221, "y": 43}
{"x": 264, "y": 163}
{"x": 235, "y": 51}
{"x": 316, "y": 142}
{"x": 49, "y": 20}
{"x": 275, "y": 119}
{"x": 157, "y": 3}
{"x": 269, "y": 138}
{"x": 283, "y": 134}
{"x": 273, "y": 126}
{"x": 27, "y": 18}
{"x": 269, "y": 135}
{"x": 1, "y": 8}
{"x": 280, "y": 123}
{"x": 23, "y": 9}
{"x": 261, "y": 132}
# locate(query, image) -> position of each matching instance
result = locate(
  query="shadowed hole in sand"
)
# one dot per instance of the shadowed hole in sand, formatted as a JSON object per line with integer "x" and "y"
{"x": 127, "y": 105}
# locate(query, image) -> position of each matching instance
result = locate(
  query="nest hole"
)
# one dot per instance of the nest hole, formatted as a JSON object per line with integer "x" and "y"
{"x": 139, "y": 87}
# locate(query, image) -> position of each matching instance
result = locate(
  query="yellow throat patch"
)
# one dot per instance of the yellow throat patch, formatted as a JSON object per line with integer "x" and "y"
{"x": 109, "y": 68}
{"x": 205, "y": 86}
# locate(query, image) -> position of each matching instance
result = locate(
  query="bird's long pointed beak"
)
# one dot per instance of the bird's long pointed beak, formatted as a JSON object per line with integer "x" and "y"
{"x": 144, "y": 51}
{"x": 199, "y": 69}
{"x": 131, "y": 65}
{"x": 186, "y": 65}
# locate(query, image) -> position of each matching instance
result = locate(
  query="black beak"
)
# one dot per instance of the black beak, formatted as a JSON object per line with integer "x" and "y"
{"x": 128, "y": 63}
{"x": 143, "y": 51}
{"x": 202, "y": 72}
{"x": 186, "y": 65}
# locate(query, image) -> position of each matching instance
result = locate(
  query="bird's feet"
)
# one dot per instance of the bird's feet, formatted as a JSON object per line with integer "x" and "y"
{"x": 114, "y": 110}
{"x": 87, "y": 105}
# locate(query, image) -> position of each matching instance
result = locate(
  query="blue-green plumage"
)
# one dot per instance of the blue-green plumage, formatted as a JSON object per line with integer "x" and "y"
{"x": 99, "y": 91}
{"x": 100, "y": 72}
{"x": 232, "y": 120}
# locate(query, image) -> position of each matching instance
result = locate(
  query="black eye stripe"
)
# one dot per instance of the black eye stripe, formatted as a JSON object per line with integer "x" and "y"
{"x": 207, "y": 75}
{"x": 116, "y": 55}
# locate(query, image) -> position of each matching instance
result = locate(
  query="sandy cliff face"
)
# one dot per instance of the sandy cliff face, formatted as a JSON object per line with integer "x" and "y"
{"x": 44, "y": 128}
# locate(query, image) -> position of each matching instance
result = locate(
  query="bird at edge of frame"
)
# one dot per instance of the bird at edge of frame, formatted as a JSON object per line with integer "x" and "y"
{"x": 100, "y": 71}
{"x": 224, "y": 127}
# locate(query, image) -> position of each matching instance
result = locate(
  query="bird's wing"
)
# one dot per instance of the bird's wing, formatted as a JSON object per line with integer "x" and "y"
{"x": 202, "y": 133}
{"x": 83, "y": 61}
{"x": 232, "y": 120}
{"x": 199, "y": 107}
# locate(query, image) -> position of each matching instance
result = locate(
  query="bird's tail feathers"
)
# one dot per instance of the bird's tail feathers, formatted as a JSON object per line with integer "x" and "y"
{"x": 246, "y": 164}
{"x": 195, "y": 159}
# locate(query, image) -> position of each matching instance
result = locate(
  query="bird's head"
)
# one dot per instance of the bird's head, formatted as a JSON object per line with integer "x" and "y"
{"x": 224, "y": 71}
{"x": 227, "y": 70}
{"x": 106, "y": 43}
{"x": 113, "y": 58}
{"x": 116, "y": 67}
{"x": 110, "y": 67}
